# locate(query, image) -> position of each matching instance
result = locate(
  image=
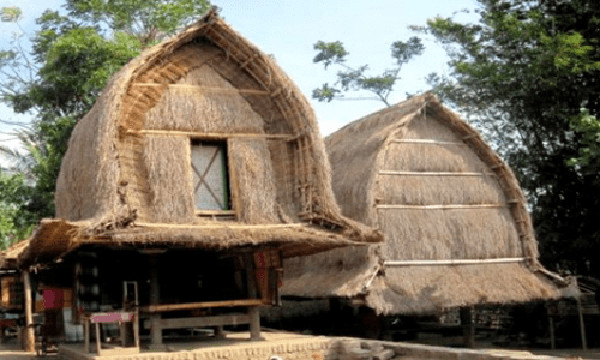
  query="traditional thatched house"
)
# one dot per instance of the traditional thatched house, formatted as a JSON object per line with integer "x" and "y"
{"x": 199, "y": 167}
{"x": 456, "y": 227}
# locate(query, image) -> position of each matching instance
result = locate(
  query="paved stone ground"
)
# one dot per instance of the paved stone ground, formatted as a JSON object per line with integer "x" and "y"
{"x": 12, "y": 352}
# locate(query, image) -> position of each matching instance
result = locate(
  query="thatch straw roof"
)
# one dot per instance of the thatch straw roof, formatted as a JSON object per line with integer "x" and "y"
{"x": 9, "y": 257}
{"x": 128, "y": 160}
{"x": 456, "y": 227}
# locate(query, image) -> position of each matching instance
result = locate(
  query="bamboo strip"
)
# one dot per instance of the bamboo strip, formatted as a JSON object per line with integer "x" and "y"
{"x": 217, "y": 226}
{"x": 453, "y": 261}
{"x": 208, "y": 135}
{"x": 417, "y": 173}
{"x": 214, "y": 212}
{"x": 207, "y": 88}
{"x": 442, "y": 207}
{"x": 427, "y": 141}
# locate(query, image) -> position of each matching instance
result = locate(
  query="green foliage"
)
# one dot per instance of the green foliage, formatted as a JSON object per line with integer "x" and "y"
{"x": 329, "y": 52}
{"x": 10, "y": 14}
{"x": 524, "y": 73}
{"x": 589, "y": 154}
{"x": 356, "y": 78}
{"x": 77, "y": 67}
{"x": 15, "y": 221}
{"x": 325, "y": 93}
{"x": 144, "y": 18}
{"x": 404, "y": 51}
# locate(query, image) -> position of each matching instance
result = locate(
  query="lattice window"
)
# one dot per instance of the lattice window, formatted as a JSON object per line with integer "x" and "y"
{"x": 211, "y": 182}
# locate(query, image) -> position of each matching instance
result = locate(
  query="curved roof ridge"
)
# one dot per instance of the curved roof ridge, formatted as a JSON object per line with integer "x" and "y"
{"x": 93, "y": 184}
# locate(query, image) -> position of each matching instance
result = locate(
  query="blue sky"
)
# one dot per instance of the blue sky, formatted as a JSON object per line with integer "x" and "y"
{"x": 287, "y": 29}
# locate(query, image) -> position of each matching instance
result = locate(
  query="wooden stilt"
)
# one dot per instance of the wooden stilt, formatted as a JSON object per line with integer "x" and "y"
{"x": 136, "y": 330}
{"x": 155, "y": 327}
{"x": 98, "y": 340}
{"x": 552, "y": 343}
{"x": 581, "y": 323}
{"x": 86, "y": 335}
{"x": 29, "y": 343}
{"x": 219, "y": 332}
{"x": 250, "y": 276}
{"x": 123, "y": 334}
{"x": 252, "y": 286}
{"x": 254, "y": 323}
{"x": 466, "y": 319}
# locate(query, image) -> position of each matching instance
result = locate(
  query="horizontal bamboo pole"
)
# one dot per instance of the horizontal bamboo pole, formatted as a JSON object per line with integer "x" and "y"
{"x": 453, "y": 261}
{"x": 206, "y": 88}
{"x": 217, "y": 226}
{"x": 214, "y": 212}
{"x": 428, "y": 141}
{"x": 200, "y": 305}
{"x": 209, "y": 135}
{"x": 420, "y": 173}
{"x": 442, "y": 207}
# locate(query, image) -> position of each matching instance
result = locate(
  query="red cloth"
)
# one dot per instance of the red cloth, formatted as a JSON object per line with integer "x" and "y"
{"x": 53, "y": 298}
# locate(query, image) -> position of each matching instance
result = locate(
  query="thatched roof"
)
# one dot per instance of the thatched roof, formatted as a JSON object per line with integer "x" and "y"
{"x": 456, "y": 227}
{"x": 127, "y": 163}
{"x": 9, "y": 257}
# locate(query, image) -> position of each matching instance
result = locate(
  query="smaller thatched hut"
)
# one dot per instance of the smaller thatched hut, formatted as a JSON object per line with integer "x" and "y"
{"x": 455, "y": 221}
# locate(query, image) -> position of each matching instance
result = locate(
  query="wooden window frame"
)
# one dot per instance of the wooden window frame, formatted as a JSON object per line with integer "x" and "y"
{"x": 225, "y": 146}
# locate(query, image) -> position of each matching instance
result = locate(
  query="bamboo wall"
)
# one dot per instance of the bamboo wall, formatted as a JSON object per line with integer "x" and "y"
{"x": 429, "y": 164}
{"x": 262, "y": 170}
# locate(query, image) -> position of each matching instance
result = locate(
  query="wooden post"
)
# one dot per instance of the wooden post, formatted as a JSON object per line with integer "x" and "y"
{"x": 252, "y": 294}
{"x": 219, "y": 334}
{"x": 552, "y": 343}
{"x": 466, "y": 319}
{"x": 254, "y": 323}
{"x": 123, "y": 334}
{"x": 250, "y": 276}
{"x": 155, "y": 327}
{"x": 136, "y": 330}
{"x": 29, "y": 343}
{"x": 86, "y": 335}
{"x": 98, "y": 340}
{"x": 581, "y": 323}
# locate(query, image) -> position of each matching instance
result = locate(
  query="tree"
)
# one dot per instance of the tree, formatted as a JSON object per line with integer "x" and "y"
{"x": 73, "y": 57}
{"x": 15, "y": 221}
{"x": 355, "y": 78}
{"x": 529, "y": 76}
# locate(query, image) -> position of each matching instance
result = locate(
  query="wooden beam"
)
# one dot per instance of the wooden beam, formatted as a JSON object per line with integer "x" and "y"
{"x": 209, "y": 135}
{"x": 420, "y": 173}
{"x": 181, "y": 323}
{"x": 453, "y": 261}
{"x": 210, "y": 89}
{"x": 218, "y": 226}
{"x": 428, "y": 141}
{"x": 200, "y": 305}
{"x": 441, "y": 207}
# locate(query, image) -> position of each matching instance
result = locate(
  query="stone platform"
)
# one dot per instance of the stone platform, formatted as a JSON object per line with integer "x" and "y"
{"x": 291, "y": 346}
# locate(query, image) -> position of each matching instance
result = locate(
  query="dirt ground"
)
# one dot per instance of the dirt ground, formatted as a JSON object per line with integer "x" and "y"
{"x": 12, "y": 352}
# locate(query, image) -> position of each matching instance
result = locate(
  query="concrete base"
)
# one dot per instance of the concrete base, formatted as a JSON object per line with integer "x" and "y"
{"x": 156, "y": 347}
{"x": 300, "y": 347}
